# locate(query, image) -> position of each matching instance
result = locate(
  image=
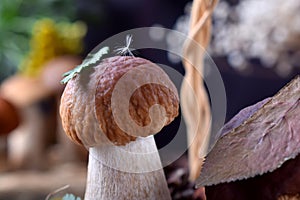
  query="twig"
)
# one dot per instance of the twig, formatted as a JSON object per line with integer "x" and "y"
{"x": 57, "y": 191}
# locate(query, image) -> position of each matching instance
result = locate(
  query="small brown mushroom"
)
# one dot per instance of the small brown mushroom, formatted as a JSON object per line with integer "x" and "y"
{"x": 114, "y": 109}
{"x": 258, "y": 153}
{"x": 9, "y": 117}
{"x": 27, "y": 144}
{"x": 9, "y": 120}
{"x": 24, "y": 91}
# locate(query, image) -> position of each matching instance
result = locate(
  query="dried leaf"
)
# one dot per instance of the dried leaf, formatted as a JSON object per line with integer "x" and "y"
{"x": 261, "y": 139}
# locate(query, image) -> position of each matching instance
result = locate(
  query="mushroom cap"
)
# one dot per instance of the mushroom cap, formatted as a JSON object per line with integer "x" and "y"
{"x": 9, "y": 117}
{"x": 53, "y": 70}
{"x": 117, "y": 101}
{"x": 258, "y": 140}
{"x": 23, "y": 91}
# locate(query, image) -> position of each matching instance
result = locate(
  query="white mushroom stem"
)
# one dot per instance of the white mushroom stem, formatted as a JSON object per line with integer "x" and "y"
{"x": 113, "y": 176}
{"x": 27, "y": 143}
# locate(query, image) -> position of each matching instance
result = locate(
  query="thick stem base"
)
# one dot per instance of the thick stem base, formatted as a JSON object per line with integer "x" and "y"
{"x": 105, "y": 182}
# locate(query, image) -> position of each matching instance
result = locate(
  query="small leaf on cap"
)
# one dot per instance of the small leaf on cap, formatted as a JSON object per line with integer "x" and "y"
{"x": 90, "y": 59}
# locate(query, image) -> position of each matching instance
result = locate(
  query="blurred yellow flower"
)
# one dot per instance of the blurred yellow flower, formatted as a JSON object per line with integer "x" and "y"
{"x": 50, "y": 40}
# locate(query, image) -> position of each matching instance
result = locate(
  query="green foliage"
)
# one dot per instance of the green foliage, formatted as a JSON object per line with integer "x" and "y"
{"x": 16, "y": 21}
{"x": 67, "y": 197}
{"x": 90, "y": 59}
{"x": 70, "y": 197}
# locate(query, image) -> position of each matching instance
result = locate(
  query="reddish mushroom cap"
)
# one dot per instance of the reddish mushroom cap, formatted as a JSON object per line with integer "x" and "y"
{"x": 88, "y": 102}
{"x": 9, "y": 117}
{"x": 23, "y": 91}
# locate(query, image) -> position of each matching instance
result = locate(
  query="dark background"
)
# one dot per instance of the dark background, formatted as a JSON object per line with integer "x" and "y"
{"x": 108, "y": 17}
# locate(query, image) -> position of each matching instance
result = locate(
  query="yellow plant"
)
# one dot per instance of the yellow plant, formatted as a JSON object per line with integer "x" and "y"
{"x": 50, "y": 40}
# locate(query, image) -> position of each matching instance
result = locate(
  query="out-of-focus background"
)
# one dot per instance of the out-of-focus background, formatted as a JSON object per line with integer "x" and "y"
{"x": 255, "y": 45}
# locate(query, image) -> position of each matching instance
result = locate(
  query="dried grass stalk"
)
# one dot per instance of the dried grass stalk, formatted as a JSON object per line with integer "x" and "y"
{"x": 192, "y": 91}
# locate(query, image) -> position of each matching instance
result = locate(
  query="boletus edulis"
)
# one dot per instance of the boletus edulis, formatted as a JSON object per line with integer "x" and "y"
{"x": 9, "y": 120}
{"x": 114, "y": 109}
{"x": 9, "y": 117}
{"x": 257, "y": 155}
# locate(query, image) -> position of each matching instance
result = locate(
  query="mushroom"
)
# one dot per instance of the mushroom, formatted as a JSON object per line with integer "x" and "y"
{"x": 50, "y": 77}
{"x": 27, "y": 143}
{"x": 9, "y": 117}
{"x": 257, "y": 155}
{"x": 23, "y": 91}
{"x": 114, "y": 109}
{"x": 9, "y": 120}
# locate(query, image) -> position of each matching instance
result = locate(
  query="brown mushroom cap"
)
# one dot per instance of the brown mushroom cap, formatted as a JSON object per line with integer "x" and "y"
{"x": 51, "y": 74}
{"x": 9, "y": 117}
{"x": 23, "y": 91}
{"x": 258, "y": 143}
{"x": 93, "y": 99}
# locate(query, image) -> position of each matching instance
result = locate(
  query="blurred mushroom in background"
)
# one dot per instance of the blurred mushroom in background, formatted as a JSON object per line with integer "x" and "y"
{"x": 36, "y": 88}
{"x": 9, "y": 120}
{"x": 9, "y": 117}
{"x": 26, "y": 144}
{"x": 51, "y": 76}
